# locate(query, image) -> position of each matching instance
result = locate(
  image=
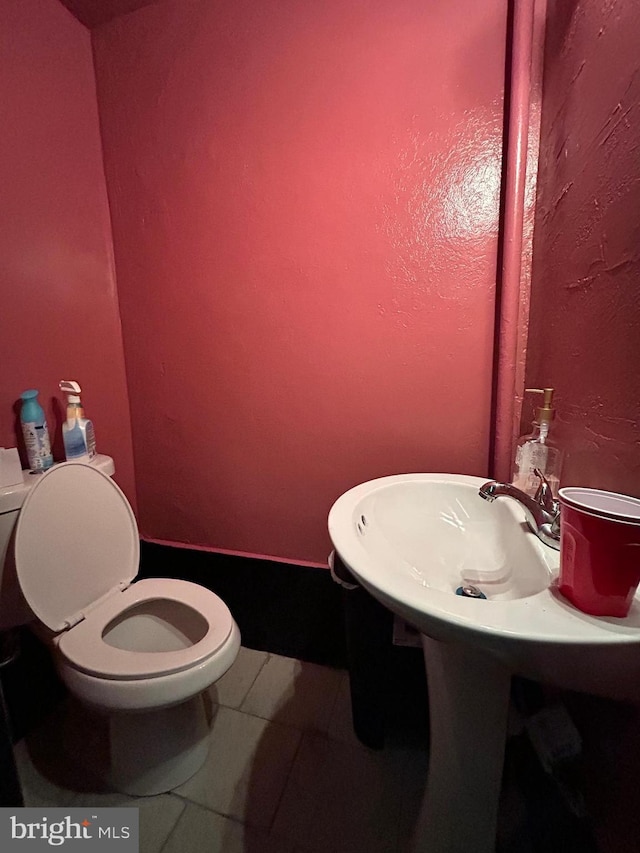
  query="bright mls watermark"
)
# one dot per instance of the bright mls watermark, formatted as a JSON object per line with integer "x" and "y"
{"x": 114, "y": 830}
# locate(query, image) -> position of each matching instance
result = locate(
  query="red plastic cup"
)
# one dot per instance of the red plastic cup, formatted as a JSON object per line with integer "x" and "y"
{"x": 599, "y": 550}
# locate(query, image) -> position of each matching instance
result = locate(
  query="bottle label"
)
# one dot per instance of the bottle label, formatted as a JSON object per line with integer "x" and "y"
{"x": 74, "y": 443}
{"x": 36, "y": 439}
{"x": 79, "y": 441}
{"x": 91, "y": 439}
{"x": 529, "y": 457}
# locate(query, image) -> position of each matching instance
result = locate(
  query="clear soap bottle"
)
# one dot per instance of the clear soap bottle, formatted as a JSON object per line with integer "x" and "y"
{"x": 538, "y": 450}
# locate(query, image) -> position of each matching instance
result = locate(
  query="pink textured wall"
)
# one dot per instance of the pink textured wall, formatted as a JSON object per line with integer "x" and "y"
{"x": 59, "y": 317}
{"x": 585, "y": 309}
{"x": 305, "y": 211}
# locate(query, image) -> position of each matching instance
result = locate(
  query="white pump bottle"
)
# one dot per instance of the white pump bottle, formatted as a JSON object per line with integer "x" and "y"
{"x": 77, "y": 431}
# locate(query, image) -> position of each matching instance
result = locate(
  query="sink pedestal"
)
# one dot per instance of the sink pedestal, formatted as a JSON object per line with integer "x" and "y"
{"x": 468, "y": 705}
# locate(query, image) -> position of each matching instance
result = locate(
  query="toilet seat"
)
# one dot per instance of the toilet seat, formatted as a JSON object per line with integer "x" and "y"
{"x": 76, "y": 553}
{"x": 84, "y": 647}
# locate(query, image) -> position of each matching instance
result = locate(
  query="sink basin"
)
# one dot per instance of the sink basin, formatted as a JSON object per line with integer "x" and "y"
{"x": 413, "y": 540}
{"x": 433, "y": 535}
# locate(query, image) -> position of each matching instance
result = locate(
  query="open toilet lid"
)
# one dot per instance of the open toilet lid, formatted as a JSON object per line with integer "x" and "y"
{"x": 76, "y": 540}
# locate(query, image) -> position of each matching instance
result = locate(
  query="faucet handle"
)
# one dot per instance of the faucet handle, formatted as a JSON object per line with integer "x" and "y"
{"x": 544, "y": 494}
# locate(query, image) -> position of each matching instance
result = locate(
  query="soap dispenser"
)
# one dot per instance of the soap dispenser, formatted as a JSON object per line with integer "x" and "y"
{"x": 537, "y": 450}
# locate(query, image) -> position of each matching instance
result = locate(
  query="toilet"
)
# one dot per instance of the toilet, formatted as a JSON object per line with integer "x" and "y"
{"x": 143, "y": 653}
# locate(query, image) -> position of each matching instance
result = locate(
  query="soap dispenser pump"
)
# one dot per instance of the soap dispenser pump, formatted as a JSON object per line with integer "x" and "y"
{"x": 537, "y": 451}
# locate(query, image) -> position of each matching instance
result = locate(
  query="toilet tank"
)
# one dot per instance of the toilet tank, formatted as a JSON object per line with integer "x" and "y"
{"x": 14, "y": 610}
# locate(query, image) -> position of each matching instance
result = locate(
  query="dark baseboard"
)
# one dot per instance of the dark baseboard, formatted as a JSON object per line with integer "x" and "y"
{"x": 281, "y": 608}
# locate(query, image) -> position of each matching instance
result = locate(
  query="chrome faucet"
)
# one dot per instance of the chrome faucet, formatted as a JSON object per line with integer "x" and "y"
{"x": 542, "y": 512}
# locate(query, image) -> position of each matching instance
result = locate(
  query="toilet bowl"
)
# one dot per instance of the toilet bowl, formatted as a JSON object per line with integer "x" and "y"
{"x": 141, "y": 652}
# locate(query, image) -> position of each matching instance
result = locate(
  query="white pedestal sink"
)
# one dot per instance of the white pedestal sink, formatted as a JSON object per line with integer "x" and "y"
{"x": 412, "y": 540}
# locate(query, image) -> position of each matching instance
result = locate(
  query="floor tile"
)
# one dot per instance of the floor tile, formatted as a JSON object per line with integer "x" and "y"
{"x": 232, "y": 688}
{"x": 347, "y": 799}
{"x": 247, "y": 768}
{"x": 37, "y": 788}
{"x": 157, "y": 815}
{"x": 415, "y": 765}
{"x": 202, "y": 830}
{"x": 340, "y": 726}
{"x": 109, "y": 799}
{"x": 294, "y": 692}
{"x": 267, "y": 786}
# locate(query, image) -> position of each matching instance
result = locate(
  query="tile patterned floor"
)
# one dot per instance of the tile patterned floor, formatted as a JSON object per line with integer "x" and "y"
{"x": 285, "y": 772}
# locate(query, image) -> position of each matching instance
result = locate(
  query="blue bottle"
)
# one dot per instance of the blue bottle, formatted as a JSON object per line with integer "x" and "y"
{"x": 35, "y": 432}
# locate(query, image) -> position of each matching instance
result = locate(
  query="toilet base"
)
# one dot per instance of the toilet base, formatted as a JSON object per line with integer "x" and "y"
{"x": 155, "y": 751}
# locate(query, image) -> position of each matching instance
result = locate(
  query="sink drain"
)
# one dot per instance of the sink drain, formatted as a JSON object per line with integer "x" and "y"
{"x": 470, "y": 592}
